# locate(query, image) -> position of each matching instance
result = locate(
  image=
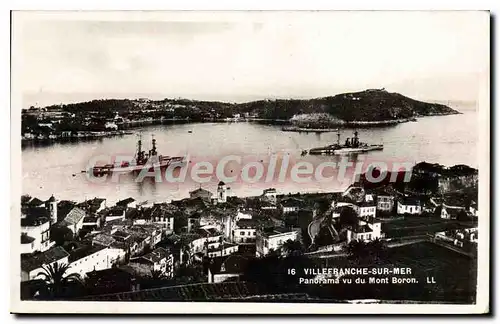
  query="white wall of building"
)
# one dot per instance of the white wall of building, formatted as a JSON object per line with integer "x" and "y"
{"x": 409, "y": 209}
{"x": 41, "y": 234}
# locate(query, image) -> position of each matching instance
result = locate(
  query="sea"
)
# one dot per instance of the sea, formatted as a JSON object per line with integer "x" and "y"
{"x": 56, "y": 168}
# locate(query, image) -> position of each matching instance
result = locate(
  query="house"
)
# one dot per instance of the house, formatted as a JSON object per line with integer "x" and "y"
{"x": 456, "y": 178}
{"x": 86, "y": 258}
{"x": 35, "y": 230}
{"x": 74, "y": 220}
{"x": 127, "y": 203}
{"x": 270, "y": 195}
{"x": 103, "y": 239}
{"x": 367, "y": 209}
{"x": 366, "y": 230}
{"x": 201, "y": 193}
{"x": 409, "y": 205}
{"x": 159, "y": 214}
{"x": 245, "y": 231}
{"x": 111, "y": 280}
{"x": 32, "y": 265}
{"x": 154, "y": 232}
{"x": 222, "y": 249}
{"x": 115, "y": 213}
{"x": 385, "y": 201}
{"x": 160, "y": 259}
{"x": 137, "y": 243}
{"x": 93, "y": 206}
{"x": 267, "y": 205}
{"x": 63, "y": 208}
{"x": 205, "y": 238}
{"x": 32, "y": 202}
{"x": 224, "y": 268}
{"x": 336, "y": 212}
{"x": 243, "y": 214}
{"x": 291, "y": 204}
{"x": 473, "y": 209}
{"x": 448, "y": 212}
{"x": 91, "y": 222}
{"x": 266, "y": 241}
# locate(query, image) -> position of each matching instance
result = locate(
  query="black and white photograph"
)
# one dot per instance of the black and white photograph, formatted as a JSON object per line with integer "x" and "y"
{"x": 250, "y": 161}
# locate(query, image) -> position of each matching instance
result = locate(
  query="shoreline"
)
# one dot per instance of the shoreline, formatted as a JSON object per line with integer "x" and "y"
{"x": 126, "y": 127}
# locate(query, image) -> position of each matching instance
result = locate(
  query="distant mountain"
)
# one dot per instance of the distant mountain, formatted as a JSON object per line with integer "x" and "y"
{"x": 363, "y": 106}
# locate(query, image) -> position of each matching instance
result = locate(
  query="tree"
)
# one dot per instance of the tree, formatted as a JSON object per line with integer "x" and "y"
{"x": 60, "y": 234}
{"x": 348, "y": 217}
{"x": 56, "y": 279}
{"x": 377, "y": 248}
{"x": 357, "y": 249}
{"x": 157, "y": 275}
{"x": 292, "y": 248}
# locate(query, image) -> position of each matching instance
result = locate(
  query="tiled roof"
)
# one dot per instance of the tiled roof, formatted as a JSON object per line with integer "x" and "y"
{"x": 367, "y": 204}
{"x": 125, "y": 202}
{"x": 35, "y": 261}
{"x": 156, "y": 255}
{"x": 74, "y": 216}
{"x": 103, "y": 239}
{"x": 247, "y": 223}
{"x": 363, "y": 229}
{"x": 34, "y": 216}
{"x": 116, "y": 211}
{"x": 231, "y": 264}
{"x": 63, "y": 208}
{"x": 201, "y": 191}
{"x": 454, "y": 212}
{"x": 25, "y": 239}
{"x": 84, "y": 251}
{"x": 92, "y": 205}
{"x": 410, "y": 201}
{"x": 292, "y": 202}
{"x": 35, "y": 202}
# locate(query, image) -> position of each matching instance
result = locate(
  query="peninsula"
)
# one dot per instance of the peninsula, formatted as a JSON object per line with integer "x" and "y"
{"x": 370, "y": 107}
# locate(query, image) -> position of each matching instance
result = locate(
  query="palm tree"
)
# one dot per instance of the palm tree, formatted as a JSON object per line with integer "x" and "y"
{"x": 157, "y": 275}
{"x": 357, "y": 249}
{"x": 55, "y": 279}
{"x": 377, "y": 248}
{"x": 292, "y": 248}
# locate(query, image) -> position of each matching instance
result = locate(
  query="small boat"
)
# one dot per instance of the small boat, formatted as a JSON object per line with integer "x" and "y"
{"x": 190, "y": 131}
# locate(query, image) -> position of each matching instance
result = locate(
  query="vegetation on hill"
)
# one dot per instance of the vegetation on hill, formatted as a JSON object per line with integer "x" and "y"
{"x": 368, "y": 105}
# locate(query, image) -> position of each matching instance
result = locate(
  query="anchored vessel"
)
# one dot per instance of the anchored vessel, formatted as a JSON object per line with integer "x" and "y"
{"x": 352, "y": 145}
{"x": 141, "y": 161}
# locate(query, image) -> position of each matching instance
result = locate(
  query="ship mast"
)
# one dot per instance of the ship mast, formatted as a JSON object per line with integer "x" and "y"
{"x": 153, "y": 149}
{"x": 140, "y": 153}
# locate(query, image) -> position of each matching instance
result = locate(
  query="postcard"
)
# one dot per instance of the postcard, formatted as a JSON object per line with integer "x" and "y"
{"x": 291, "y": 162}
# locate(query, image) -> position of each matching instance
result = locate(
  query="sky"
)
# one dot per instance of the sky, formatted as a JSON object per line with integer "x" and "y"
{"x": 76, "y": 56}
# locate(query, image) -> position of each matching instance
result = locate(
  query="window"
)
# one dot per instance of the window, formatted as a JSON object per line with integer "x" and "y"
{"x": 242, "y": 233}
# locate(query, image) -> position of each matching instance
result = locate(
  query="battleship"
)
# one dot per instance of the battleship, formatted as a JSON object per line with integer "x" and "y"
{"x": 141, "y": 161}
{"x": 351, "y": 145}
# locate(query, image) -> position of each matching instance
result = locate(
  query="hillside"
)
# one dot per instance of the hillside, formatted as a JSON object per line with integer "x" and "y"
{"x": 369, "y": 105}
